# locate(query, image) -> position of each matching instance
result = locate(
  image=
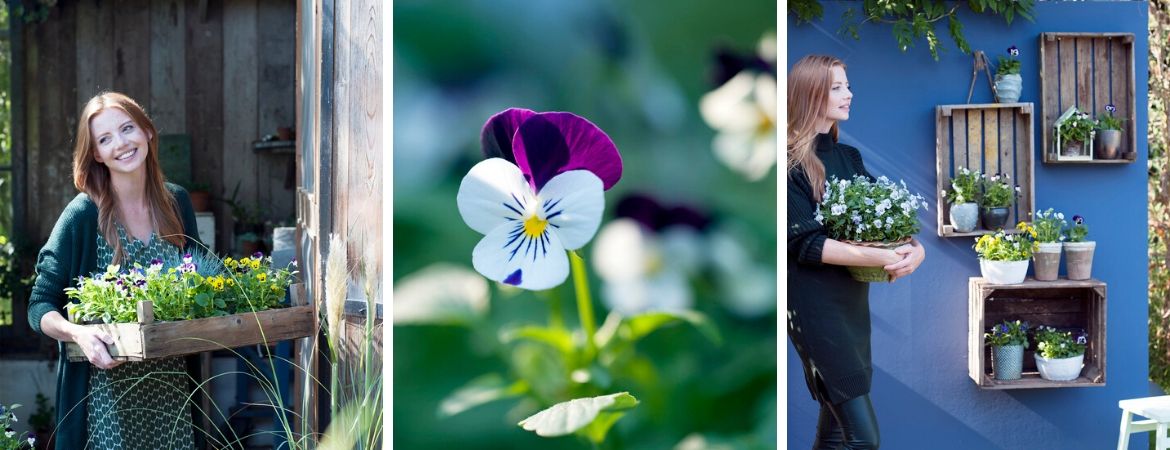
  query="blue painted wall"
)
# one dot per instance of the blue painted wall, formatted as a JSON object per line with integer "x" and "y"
{"x": 921, "y": 391}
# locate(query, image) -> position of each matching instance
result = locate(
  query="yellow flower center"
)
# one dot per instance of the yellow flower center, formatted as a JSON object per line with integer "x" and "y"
{"x": 534, "y": 226}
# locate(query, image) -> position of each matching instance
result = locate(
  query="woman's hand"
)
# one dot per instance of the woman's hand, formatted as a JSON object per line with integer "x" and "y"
{"x": 93, "y": 344}
{"x": 912, "y": 255}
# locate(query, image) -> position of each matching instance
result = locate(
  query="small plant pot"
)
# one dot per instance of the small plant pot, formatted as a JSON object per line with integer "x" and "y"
{"x": 200, "y": 200}
{"x": 1079, "y": 256}
{"x": 1008, "y": 361}
{"x": 1060, "y": 369}
{"x": 1004, "y": 272}
{"x": 964, "y": 217}
{"x": 1009, "y": 87}
{"x": 1073, "y": 148}
{"x": 1047, "y": 258}
{"x": 874, "y": 274}
{"x": 994, "y": 218}
{"x": 1108, "y": 144}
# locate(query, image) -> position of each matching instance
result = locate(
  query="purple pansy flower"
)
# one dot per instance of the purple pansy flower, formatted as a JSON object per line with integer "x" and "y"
{"x": 1013, "y": 51}
{"x": 1111, "y": 108}
{"x": 657, "y": 217}
{"x": 539, "y": 192}
{"x": 31, "y": 438}
{"x": 257, "y": 255}
{"x": 1078, "y": 220}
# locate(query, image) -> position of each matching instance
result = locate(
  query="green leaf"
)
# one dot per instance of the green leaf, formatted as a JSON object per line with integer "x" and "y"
{"x": 440, "y": 294}
{"x": 637, "y": 327}
{"x": 600, "y": 426}
{"x": 556, "y": 338}
{"x": 484, "y": 389}
{"x": 577, "y": 414}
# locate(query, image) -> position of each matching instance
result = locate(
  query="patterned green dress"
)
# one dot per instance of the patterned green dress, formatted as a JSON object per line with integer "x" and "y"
{"x": 140, "y": 405}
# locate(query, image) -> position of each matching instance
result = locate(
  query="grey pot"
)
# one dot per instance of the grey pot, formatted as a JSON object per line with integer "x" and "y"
{"x": 1008, "y": 361}
{"x": 1009, "y": 87}
{"x": 965, "y": 217}
{"x": 1108, "y": 144}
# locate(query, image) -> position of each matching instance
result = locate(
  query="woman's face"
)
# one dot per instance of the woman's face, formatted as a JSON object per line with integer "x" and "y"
{"x": 839, "y": 96}
{"x": 121, "y": 144}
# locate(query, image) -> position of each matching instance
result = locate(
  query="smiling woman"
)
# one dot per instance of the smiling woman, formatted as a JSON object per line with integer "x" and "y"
{"x": 126, "y": 213}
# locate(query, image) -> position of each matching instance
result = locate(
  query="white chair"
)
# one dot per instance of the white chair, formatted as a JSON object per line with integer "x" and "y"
{"x": 1156, "y": 409}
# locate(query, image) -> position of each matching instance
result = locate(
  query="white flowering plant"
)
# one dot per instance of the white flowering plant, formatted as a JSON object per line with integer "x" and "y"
{"x": 869, "y": 211}
{"x": 964, "y": 187}
{"x": 998, "y": 191}
{"x": 1048, "y": 226}
{"x": 1054, "y": 344}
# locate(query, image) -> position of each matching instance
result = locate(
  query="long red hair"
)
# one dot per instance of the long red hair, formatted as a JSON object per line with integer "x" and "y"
{"x": 93, "y": 178}
{"x": 808, "y": 98}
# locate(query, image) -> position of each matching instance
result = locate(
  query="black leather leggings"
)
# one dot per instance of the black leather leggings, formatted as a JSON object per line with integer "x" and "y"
{"x": 850, "y": 425}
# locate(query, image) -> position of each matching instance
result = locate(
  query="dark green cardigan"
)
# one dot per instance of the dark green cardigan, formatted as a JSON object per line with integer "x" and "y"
{"x": 71, "y": 252}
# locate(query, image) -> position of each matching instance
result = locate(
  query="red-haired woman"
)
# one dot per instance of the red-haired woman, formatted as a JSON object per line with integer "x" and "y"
{"x": 828, "y": 311}
{"x": 126, "y": 213}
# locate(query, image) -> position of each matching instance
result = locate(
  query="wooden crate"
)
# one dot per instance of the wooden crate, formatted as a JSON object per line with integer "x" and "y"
{"x": 149, "y": 339}
{"x": 1089, "y": 71}
{"x": 1061, "y": 304}
{"x": 991, "y": 138}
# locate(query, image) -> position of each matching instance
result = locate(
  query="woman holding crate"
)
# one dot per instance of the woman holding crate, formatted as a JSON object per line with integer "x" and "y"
{"x": 125, "y": 213}
{"x": 828, "y": 311}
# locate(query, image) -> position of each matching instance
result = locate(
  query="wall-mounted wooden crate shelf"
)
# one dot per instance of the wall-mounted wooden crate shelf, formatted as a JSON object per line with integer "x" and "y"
{"x": 991, "y": 138}
{"x": 1089, "y": 71}
{"x": 1061, "y": 304}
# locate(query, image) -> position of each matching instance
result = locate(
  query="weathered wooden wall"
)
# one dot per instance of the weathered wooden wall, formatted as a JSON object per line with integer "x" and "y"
{"x": 219, "y": 71}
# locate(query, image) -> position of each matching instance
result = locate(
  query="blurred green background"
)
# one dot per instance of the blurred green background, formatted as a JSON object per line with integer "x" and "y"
{"x": 637, "y": 70}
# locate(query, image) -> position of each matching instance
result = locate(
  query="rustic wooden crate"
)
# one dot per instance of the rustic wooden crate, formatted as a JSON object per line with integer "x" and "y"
{"x": 1061, "y": 304}
{"x": 149, "y": 339}
{"x": 1088, "y": 70}
{"x": 991, "y": 138}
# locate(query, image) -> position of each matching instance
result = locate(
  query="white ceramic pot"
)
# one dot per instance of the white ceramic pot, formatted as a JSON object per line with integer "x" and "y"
{"x": 964, "y": 216}
{"x": 1009, "y": 87}
{"x": 1062, "y": 369}
{"x": 1004, "y": 272}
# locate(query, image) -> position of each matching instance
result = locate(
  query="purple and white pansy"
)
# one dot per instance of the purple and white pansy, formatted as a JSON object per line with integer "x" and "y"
{"x": 539, "y": 193}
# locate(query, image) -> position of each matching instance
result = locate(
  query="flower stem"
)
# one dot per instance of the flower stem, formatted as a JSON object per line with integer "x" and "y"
{"x": 584, "y": 302}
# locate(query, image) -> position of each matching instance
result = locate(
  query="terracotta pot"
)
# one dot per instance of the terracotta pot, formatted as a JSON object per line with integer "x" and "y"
{"x": 200, "y": 200}
{"x": 1079, "y": 257}
{"x": 1047, "y": 258}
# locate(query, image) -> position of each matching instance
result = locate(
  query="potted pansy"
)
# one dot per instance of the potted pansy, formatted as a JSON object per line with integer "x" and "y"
{"x": 963, "y": 198}
{"x": 877, "y": 213}
{"x": 1059, "y": 356}
{"x": 1109, "y": 137}
{"x": 1008, "y": 341}
{"x": 1074, "y": 135}
{"x": 1003, "y": 258}
{"x": 998, "y": 195}
{"x": 1079, "y": 251}
{"x": 1047, "y": 229}
{"x": 1008, "y": 83}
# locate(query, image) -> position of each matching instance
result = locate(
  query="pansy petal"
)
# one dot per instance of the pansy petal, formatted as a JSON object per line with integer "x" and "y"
{"x": 555, "y": 142}
{"x": 573, "y": 202}
{"x": 493, "y": 193}
{"x": 497, "y": 133}
{"x": 508, "y": 255}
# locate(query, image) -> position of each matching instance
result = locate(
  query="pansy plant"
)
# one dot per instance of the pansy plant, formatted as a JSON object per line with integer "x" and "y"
{"x": 538, "y": 194}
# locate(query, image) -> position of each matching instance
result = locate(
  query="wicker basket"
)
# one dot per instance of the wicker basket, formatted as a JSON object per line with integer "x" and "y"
{"x": 874, "y": 274}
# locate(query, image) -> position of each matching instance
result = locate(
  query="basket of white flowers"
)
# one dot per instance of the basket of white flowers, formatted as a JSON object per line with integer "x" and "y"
{"x": 879, "y": 213}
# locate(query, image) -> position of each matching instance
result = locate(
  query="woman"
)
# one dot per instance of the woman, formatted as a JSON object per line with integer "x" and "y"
{"x": 828, "y": 311}
{"x": 126, "y": 213}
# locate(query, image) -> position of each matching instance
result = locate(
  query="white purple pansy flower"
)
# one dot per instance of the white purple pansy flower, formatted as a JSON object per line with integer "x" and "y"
{"x": 539, "y": 192}
{"x": 31, "y": 438}
{"x": 258, "y": 255}
{"x": 1078, "y": 220}
{"x": 1111, "y": 108}
{"x": 9, "y": 432}
{"x": 1013, "y": 51}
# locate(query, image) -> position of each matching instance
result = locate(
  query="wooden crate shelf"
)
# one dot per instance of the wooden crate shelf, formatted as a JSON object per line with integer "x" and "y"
{"x": 990, "y": 138}
{"x": 1089, "y": 71}
{"x": 1061, "y": 304}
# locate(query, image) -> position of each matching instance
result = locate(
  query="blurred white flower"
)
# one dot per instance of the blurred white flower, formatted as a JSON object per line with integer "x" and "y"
{"x": 749, "y": 288}
{"x": 743, "y": 114}
{"x": 637, "y": 273}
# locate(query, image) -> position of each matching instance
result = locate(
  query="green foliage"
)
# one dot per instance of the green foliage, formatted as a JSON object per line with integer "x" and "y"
{"x": 1008, "y": 66}
{"x": 869, "y": 211}
{"x": 1049, "y": 226}
{"x": 1053, "y": 344}
{"x": 1110, "y": 122}
{"x": 42, "y": 418}
{"x": 1004, "y": 247}
{"x": 591, "y": 417}
{"x": 914, "y": 20}
{"x": 1077, "y": 128}
{"x": 964, "y": 187}
{"x": 998, "y": 192}
{"x": 1078, "y": 231}
{"x": 1008, "y": 333}
{"x": 1159, "y": 194}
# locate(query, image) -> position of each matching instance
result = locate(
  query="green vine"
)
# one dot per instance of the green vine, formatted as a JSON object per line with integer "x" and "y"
{"x": 914, "y": 19}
